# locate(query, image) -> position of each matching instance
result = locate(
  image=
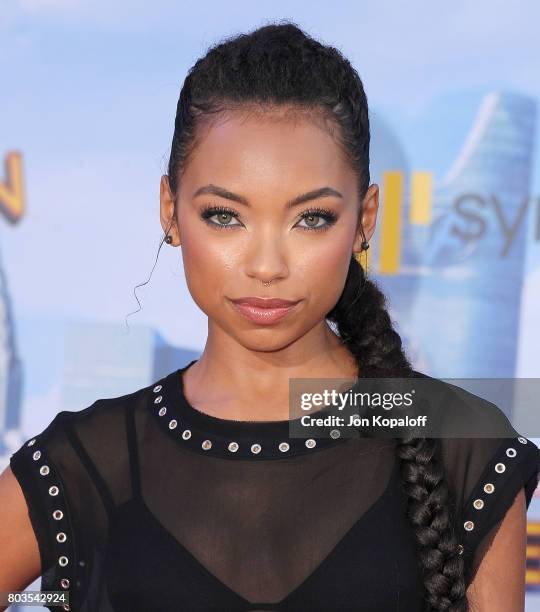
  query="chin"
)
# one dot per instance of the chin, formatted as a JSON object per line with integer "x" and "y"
{"x": 265, "y": 340}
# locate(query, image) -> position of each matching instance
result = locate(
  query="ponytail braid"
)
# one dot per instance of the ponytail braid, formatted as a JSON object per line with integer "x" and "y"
{"x": 365, "y": 327}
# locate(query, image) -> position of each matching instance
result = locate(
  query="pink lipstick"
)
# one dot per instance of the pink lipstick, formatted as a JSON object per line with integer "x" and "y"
{"x": 264, "y": 311}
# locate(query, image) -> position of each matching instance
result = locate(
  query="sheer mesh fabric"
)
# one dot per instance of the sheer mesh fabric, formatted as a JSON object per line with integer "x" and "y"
{"x": 158, "y": 519}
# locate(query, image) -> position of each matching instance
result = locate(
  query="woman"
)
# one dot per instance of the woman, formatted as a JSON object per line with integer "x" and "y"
{"x": 190, "y": 494}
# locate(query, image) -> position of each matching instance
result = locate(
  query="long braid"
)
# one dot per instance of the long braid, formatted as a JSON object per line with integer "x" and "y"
{"x": 365, "y": 327}
{"x": 280, "y": 65}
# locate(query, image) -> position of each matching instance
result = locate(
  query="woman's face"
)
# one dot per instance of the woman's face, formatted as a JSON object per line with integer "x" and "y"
{"x": 246, "y": 212}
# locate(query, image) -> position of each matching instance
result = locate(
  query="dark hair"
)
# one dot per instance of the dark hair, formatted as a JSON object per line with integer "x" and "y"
{"x": 279, "y": 65}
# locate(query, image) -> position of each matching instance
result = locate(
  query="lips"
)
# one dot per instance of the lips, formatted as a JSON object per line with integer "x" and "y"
{"x": 265, "y": 302}
{"x": 265, "y": 311}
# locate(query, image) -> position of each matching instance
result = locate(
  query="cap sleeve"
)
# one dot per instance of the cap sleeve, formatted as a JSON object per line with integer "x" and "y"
{"x": 41, "y": 466}
{"x": 487, "y": 474}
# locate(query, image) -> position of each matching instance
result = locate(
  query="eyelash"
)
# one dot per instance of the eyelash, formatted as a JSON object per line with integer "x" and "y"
{"x": 324, "y": 213}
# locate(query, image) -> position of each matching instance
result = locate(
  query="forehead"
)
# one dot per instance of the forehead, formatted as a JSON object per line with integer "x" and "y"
{"x": 269, "y": 147}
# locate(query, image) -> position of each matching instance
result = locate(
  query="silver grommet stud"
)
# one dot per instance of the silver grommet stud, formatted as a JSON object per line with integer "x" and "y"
{"x": 173, "y": 423}
{"x": 489, "y": 488}
{"x": 206, "y": 445}
{"x": 63, "y": 561}
{"x": 57, "y": 515}
{"x": 478, "y": 504}
{"x": 500, "y": 467}
{"x": 162, "y": 411}
{"x": 44, "y": 470}
{"x": 158, "y": 399}
{"x": 460, "y": 549}
{"x": 335, "y": 433}
{"x": 186, "y": 434}
{"x": 53, "y": 490}
{"x": 157, "y": 388}
{"x": 511, "y": 452}
{"x": 256, "y": 448}
{"x": 468, "y": 525}
{"x": 233, "y": 447}
{"x": 36, "y": 455}
{"x": 522, "y": 440}
{"x": 284, "y": 447}
{"x": 64, "y": 583}
{"x": 66, "y": 607}
{"x": 310, "y": 443}
{"x": 32, "y": 442}
{"x": 61, "y": 537}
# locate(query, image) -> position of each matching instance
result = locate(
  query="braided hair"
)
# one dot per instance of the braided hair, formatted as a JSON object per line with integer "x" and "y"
{"x": 279, "y": 65}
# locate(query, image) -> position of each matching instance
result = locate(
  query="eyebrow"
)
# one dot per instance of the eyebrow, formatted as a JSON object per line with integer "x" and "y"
{"x": 301, "y": 199}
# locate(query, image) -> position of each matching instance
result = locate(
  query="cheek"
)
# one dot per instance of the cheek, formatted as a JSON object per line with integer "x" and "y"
{"x": 323, "y": 270}
{"x": 209, "y": 266}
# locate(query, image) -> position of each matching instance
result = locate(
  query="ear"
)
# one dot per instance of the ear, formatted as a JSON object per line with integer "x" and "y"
{"x": 368, "y": 218}
{"x": 168, "y": 211}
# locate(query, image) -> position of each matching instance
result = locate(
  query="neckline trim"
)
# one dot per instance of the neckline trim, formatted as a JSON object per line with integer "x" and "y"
{"x": 229, "y": 438}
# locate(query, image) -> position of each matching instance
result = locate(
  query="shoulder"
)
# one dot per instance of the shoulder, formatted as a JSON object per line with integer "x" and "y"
{"x": 91, "y": 426}
{"x": 73, "y": 474}
{"x": 95, "y": 432}
{"x": 486, "y": 461}
{"x": 476, "y": 435}
{"x": 73, "y": 439}
{"x": 101, "y": 414}
{"x": 461, "y": 409}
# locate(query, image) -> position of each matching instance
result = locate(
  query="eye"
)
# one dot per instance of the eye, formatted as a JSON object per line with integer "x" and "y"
{"x": 314, "y": 216}
{"x": 223, "y": 214}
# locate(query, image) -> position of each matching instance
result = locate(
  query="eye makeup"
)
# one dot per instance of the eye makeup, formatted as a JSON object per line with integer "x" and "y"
{"x": 211, "y": 210}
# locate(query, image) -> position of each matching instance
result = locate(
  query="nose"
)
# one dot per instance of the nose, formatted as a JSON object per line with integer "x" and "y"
{"x": 266, "y": 258}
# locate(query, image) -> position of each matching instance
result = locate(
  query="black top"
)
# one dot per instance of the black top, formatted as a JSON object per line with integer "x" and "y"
{"x": 142, "y": 502}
